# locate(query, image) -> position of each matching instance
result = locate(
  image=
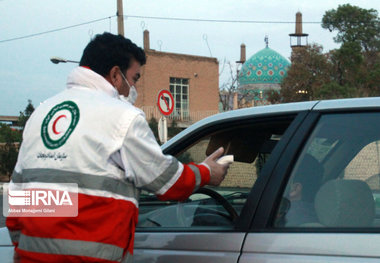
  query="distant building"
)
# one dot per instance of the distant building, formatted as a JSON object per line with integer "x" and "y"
{"x": 261, "y": 73}
{"x": 265, "y": 70}
{"x": 193, "y": 81}
{"x": 11, "y": 121}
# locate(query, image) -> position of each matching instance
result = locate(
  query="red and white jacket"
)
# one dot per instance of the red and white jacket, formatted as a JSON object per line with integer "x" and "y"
{"x": 111, "y": 153}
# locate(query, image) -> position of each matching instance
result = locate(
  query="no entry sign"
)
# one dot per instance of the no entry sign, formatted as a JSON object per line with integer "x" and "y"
{"x": 165, "y": 102}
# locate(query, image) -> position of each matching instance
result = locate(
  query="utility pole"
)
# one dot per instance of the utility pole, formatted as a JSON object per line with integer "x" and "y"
{"x": 120, "y": 18}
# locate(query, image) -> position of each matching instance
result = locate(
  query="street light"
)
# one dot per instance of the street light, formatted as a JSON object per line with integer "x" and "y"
{"x": 57, "y": 60}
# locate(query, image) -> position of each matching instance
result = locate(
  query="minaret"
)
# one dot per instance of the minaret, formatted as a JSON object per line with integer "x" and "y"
{"x": 242, "y": 59}
{"x": 242, "y": 54}
{"x": 146, "y": 40}
{"x": 301, "y": 38}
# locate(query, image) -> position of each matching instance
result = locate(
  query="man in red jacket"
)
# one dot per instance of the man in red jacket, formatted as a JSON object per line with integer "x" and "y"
{"x": 109, "y": 152}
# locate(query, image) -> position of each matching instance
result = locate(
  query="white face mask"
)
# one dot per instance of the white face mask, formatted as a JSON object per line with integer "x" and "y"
{"x": 132, "y": 96}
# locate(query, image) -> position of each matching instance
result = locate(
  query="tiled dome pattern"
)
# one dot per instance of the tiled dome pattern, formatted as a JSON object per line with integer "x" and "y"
{"x": 266, "y": 66}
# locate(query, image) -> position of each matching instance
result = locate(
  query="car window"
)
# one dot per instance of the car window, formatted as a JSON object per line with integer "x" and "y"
{"x": 220, "y": 206}
{"x": 320, "y": 147}
{"x": 335, "y": 181}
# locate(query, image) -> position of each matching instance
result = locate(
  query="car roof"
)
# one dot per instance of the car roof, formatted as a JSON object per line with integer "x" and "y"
{"x": 278, "y": 109}
{"x": 355, "y": 103}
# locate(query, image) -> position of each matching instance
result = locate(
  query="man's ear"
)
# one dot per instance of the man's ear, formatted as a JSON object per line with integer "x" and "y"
{"x": 298, "y": 187}
{"x": 295, "y": 190}
{"x": 113, "y": 76}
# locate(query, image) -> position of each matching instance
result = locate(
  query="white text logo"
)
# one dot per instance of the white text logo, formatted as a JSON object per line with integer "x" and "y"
{"x": 37, "y": 197}
{"x": 40, "y": 200}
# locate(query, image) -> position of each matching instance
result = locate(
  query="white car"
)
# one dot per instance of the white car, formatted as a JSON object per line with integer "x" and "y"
{"x": 304, "y": 187}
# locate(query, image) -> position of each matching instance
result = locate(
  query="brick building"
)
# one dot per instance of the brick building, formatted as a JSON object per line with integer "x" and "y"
{"x": 193, "y": 81}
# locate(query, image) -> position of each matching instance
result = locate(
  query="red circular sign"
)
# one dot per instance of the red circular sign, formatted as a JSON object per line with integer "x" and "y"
{"x": 165, "y": 102}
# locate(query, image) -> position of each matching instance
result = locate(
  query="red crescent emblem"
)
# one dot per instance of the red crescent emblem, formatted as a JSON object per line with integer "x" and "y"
{"x": 55, "y": 123}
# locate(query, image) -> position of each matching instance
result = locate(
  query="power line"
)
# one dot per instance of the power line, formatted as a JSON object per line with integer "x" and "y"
{"x": 55, "y": 30}
{"x": 160, "y": 18}
{"x": 157, "y": 18}
{"x": 218, "y": 20}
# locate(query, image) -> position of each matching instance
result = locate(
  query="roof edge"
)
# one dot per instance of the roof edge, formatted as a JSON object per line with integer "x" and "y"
{"x": 194, "y": 57}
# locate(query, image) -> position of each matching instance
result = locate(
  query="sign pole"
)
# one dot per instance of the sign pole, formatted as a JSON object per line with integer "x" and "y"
{"x": 165, "y": 129}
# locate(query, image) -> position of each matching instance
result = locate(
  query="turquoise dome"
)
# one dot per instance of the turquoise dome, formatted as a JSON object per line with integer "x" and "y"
{"x": 265, "y": 67}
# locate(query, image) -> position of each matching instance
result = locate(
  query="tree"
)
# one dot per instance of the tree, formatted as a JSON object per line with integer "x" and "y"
{"x": 229, "y": 88}
{"x": 357, "y": 62}
{"x": 9, "y": 134}
{"x": 10, "y": 140}
{"x": 354, "y": 24}
{"x": 353, "y": 70}
{"x": 8, "y": 149}
{"x": 308, "y": 72}
{"x": 346, "y": 62}
{"x": 333, "y": 90}
{"x": 24, "y": 116}
{"x": 373, "y": 79}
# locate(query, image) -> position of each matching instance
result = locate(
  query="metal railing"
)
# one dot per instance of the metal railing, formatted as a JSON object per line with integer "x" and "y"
{"x": 191, "y": 116}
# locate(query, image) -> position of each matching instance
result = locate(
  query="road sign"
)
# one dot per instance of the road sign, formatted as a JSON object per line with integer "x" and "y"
{"x": 165, "y": 102}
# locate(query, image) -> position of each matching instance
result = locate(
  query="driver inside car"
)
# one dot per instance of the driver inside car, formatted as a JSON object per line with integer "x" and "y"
{"x": 303, "y": 188}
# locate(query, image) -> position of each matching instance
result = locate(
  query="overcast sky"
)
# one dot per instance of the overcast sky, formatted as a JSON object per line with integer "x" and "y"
{"x": 27, "y": 73}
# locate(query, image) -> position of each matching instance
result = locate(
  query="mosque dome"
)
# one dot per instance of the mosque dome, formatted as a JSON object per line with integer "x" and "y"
{"x": 265, "y": 67}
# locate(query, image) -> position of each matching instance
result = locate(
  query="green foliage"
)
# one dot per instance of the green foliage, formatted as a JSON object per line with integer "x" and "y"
{"x": 274, "y": 96}
{"x": 309, "y": 71}
{"x": 354, "y": 24}
{"x": 9, "y": 135}
{"x": 10, "y": 140}
{"x": 353, "y": 70}
{"x": 8, "y": 149}
{"x": 346, "y": 63}
{"x": 173, "y": 129}
{"x": 373, "y": 80}
{"x": 8, "y": 159}
{"x": 355, "y": 63}
{"x": 24, "y": 116}
{"x": 333, "y": 90}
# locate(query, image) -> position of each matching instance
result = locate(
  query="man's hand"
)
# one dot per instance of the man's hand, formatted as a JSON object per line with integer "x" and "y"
{"x": 218, "y": 171}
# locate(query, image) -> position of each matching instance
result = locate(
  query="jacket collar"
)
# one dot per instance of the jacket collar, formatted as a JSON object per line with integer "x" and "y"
{"x": 86, "y": 78}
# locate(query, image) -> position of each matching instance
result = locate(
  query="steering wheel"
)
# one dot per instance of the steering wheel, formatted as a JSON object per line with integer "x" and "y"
{"x": 232, "y": 214}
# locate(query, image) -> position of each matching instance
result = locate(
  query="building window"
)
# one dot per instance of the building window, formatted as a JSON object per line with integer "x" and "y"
{"x": 180, "y": 90}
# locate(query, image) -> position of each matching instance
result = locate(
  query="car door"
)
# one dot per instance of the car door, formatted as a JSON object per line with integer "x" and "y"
{"x": 202, "y": 229}
{"x": 336, "y": 152}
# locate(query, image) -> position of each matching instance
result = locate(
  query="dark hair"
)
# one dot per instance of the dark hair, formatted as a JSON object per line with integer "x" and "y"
{"x": 107, "y": 50}
{"x": 310, "y": 175}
